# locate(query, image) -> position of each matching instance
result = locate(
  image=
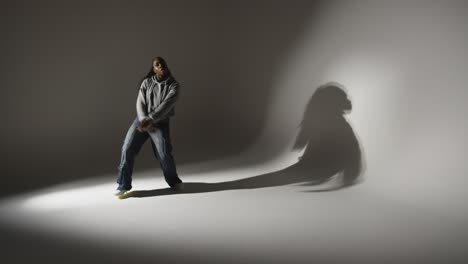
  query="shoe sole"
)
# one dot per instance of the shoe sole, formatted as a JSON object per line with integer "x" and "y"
{"x": 123, "y": 195}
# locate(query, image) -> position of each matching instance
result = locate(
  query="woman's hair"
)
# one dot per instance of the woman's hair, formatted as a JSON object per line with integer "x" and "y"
{"x": 151, "y": 72}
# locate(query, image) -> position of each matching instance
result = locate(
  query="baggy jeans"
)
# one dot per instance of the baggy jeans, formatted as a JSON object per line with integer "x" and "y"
{"x": 162, "y": 149}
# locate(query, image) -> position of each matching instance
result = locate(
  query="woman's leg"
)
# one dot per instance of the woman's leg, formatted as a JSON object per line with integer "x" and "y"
{"x": 162, "y": 141}
{"x": 130, "y": 148}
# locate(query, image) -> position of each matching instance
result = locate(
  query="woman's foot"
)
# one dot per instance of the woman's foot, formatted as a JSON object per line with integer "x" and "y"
{"x": 119, "y": 193}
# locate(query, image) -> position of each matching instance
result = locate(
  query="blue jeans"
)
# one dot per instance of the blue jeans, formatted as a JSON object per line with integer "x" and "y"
{"x": 162, "y": 149}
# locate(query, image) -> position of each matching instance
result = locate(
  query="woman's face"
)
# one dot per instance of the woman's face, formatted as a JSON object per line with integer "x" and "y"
{"x": 158, "y": 68}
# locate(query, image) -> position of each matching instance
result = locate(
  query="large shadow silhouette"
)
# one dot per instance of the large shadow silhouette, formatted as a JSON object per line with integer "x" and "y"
{"x": 332, "y": 151}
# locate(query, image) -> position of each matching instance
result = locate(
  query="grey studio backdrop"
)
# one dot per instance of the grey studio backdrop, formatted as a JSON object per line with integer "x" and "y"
{"x": 248, "y": 71}
{"x": 378, "y": 87}
{"x": 70, "y": 73}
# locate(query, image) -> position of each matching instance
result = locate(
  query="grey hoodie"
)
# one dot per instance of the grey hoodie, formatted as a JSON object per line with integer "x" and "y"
{"x": 156, "y": 99}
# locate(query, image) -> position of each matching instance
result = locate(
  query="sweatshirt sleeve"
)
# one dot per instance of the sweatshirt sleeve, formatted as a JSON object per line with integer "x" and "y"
{"x": 141, "y": 102}
{"x": 165, "y": 107}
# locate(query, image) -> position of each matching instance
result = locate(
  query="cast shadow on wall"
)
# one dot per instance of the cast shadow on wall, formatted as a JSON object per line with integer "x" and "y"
{"x": 331, "y": 160}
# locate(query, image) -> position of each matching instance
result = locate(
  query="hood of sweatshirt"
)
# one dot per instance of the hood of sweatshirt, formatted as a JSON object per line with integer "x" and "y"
{"x": 163, "y": 81}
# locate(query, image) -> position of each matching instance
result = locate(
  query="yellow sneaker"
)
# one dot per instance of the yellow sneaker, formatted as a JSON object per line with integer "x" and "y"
{"x": 120, "y": 193}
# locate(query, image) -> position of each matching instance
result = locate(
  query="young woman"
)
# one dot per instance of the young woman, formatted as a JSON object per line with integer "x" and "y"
{"x": 155, "y": 105}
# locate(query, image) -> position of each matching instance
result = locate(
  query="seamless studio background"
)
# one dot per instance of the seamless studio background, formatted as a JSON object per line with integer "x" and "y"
{"x": 252, "y": 75}
{"x": 71, "y": 70}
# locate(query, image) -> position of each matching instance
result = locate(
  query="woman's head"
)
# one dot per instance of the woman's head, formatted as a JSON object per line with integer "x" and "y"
{"x": 158, "y": 64}
{"x": 160, "y": 67}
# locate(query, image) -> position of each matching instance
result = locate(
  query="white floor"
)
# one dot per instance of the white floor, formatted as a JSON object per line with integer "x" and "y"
{"x": 282, "y": 224}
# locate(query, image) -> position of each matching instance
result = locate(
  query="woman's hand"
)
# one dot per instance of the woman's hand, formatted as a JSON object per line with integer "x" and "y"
{"x": 144, "y": 125}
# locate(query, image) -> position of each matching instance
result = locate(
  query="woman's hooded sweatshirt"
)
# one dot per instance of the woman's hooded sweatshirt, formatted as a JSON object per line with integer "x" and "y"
{"x": 156, "y": 99}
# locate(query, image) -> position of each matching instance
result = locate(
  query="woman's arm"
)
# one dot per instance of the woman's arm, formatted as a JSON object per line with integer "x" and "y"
{"x": 166, "y": 106}
{"x": 141, "y": 102}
